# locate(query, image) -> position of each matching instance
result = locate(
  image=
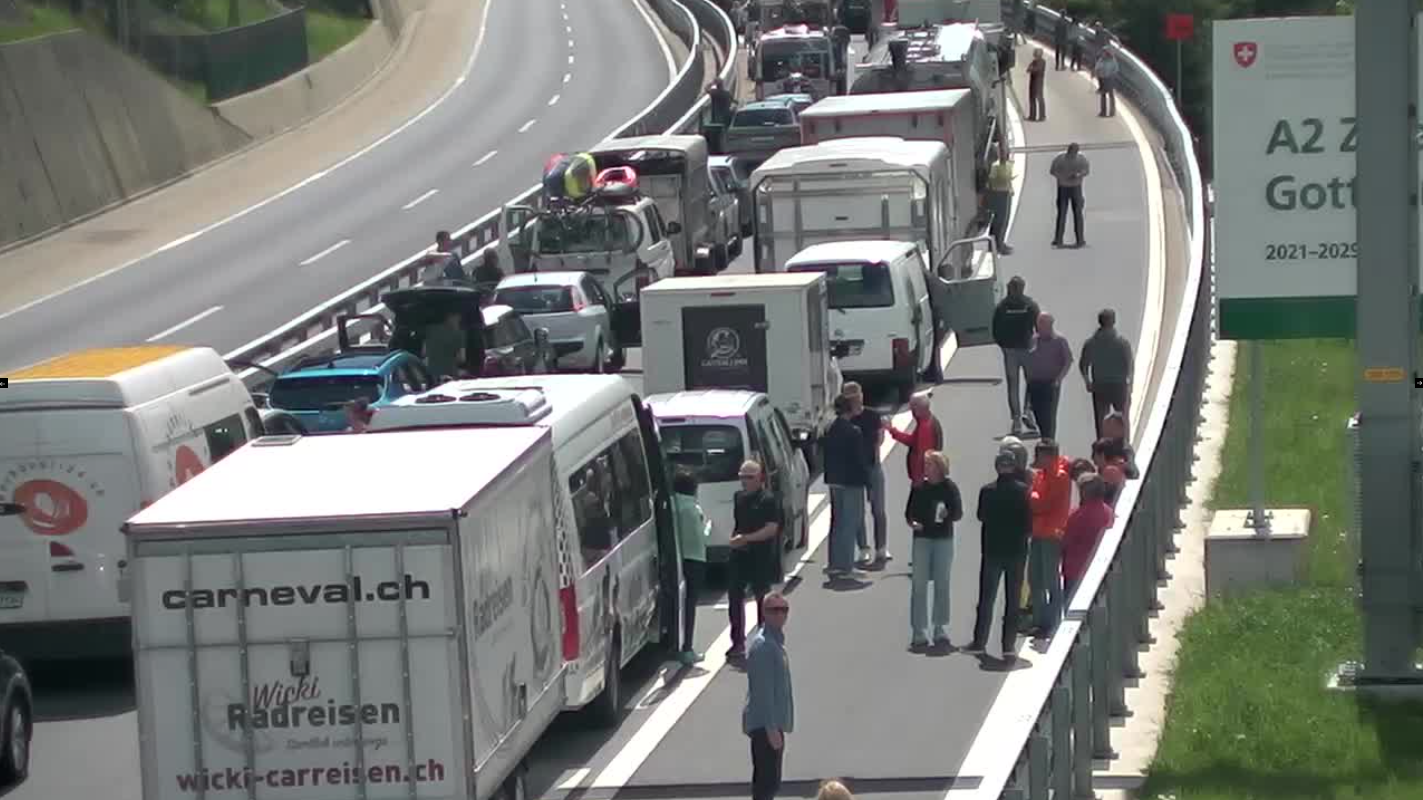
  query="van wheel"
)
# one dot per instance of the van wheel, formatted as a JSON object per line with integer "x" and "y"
{"x": 15, "y": 760}
{"x": 608, "y": 706}
{"x": 721, "y": 257}
{"x": 600, "y": 358}
{"x": 515, "y": 786}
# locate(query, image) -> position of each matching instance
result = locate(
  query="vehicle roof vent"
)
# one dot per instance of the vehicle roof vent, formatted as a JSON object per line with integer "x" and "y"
{"x": 460, "y": 403}
{"x": 427, "y": 399}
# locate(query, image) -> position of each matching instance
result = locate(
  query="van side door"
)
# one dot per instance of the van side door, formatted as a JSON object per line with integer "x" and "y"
{"x": 636, "y": 559}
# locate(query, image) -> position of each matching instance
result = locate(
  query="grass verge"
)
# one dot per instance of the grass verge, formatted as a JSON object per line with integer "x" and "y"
{"x": 37, "y": 21}
{"x": 327, "y": 32}
{"x": 1248, "y": 717}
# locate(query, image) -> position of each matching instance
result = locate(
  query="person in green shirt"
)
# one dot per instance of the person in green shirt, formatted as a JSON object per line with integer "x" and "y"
{"x": 693, "y": 530}
{"x": 1000, "y": 198}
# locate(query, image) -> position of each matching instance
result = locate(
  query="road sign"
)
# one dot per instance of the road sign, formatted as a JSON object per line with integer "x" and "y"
{"x": 1283, "y": 153}
{"x": 1180, "y": 27}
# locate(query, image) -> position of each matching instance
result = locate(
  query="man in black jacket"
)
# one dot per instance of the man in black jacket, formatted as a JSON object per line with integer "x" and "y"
{"x": 847, "y": 474}
{"x": 1007, "y": 525}
{"x": 1014, "y": 321}
{"x": 1107, "y": 367}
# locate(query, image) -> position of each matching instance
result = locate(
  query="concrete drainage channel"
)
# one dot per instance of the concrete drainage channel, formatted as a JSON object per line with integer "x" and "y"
{"x": 1048, "y": 723}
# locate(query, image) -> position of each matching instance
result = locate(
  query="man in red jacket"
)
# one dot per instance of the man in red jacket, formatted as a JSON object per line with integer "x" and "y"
{"x": 1051, "y": 502}
{"x": 1085, "y": 527}
{"x": 927, "y": 434}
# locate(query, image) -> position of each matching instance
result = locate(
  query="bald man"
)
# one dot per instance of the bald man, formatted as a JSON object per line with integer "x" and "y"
{"x": 1049, "y": 361}
{"x": 754, "y": 554}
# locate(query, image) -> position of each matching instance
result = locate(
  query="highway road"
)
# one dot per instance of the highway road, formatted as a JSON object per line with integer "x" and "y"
{"x": 892, "y": 721}
{"x": 549, "y": 76}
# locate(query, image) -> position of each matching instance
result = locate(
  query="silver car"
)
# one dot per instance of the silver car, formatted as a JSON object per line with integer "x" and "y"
{"x": 735, "y": 173}
{"x": 576, "y": 311}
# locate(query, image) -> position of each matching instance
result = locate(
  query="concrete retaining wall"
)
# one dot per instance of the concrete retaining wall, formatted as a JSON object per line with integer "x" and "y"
{"x": 83, "y": 126}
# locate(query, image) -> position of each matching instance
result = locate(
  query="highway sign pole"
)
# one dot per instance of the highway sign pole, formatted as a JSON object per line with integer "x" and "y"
{"x": 1386, "y": 87}
{"x": 1258, "y": 518}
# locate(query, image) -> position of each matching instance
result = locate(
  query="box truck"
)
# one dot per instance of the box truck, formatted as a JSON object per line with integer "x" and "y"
{"x": 762, "y": 333}
{"x": 306, "y": 632}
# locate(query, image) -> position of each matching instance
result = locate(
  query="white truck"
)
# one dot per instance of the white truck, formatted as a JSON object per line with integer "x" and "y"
{"x": 301, "y": 634}
{"x": 761, "y": 333}
{"x": 887, "y": 188}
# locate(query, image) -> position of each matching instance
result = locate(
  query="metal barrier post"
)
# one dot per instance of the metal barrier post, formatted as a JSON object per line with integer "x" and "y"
{"x": 1037, "y": 762}
{"x": 1119, "y": 633}
{"x": 1082, "y": 718}
{"x": 1100, "y": 642}
{"x": 1061, "y": 739}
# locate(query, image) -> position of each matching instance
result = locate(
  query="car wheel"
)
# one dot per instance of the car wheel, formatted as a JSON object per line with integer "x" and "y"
{"x": 607, "y": 707}
{"x": 600, "y": 358}
{"x": 618, "y": 360}
{"x": 15, "y": 761}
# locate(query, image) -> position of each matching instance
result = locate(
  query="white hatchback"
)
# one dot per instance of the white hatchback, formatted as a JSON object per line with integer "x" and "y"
{"x": 575, "y": 310}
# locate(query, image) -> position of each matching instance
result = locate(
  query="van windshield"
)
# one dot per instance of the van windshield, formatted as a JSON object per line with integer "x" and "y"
{"x": 322, "y": 392}
{"x": 857, "y": 285}
{"x": 712, "y": 452}
{"x": 536, "y": 299}
{"x": 592, "y": 233}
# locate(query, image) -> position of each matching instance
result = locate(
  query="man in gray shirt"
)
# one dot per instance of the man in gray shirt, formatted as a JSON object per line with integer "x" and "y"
{"x": 769, "y": 713}
{"x": 1069, "y": 169}
{"x": 1048, "y": 363}
{"x": 1107, "y": 365}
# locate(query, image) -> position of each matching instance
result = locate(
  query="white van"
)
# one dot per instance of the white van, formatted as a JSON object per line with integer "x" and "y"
{"x": 710, "y": 433}
{"x": 611, "y": 484}
{"x": 86, "y": 440}
{"x": 879, "y": 309}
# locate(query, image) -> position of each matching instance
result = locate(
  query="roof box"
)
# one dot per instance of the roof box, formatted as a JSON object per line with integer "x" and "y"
{"x": 461, "y": 403}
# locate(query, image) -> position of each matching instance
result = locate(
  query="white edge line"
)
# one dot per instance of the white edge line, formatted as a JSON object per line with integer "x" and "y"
{"x": 1007, "y": 707}
{"x": 422, "y": 198}
{"x": 574, "y": 779}
{"x": 185, "y": 323}
{"x": 469, "y": 65}
{"x": 324, "y": 253}
{"x": 631, "y": 756}
{"x": 661, "y": 40}
{"x": 484, "y": 158}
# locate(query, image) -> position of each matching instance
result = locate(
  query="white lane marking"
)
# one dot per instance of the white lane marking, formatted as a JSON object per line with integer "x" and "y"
{"x": 185, "y": 323}
{"x": 468, "y": 66}
{"x": 324, "y": 253}
{"x": 570, "y": 42}
{"x": 523, "y": 128}
{"x": 422, "y": 198}
{"x": 575, "y": 778}
{"x": 672, "y": 707}
{"x": 554, "y": 100}
{"x": 486, "y": 157}
{"x": 567, "y": 76}
{"x": 657, "y": 34}
{"x": 570, "y": 58}
{"x": 1155, "y": 307}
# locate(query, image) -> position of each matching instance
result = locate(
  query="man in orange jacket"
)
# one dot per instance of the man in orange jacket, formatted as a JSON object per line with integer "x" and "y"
{"x": 1051, "y": 502}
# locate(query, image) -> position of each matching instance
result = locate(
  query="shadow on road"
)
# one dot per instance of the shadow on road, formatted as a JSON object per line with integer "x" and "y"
{"x": 72, "y": 690}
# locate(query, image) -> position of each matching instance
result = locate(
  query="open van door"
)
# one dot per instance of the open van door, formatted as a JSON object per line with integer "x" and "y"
{"x": 517, "y": 234}
{"x": 966, "y": 290}
{"x": 626, "y": 314}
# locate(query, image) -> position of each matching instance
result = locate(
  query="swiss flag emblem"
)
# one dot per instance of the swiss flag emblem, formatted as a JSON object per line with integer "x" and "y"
{"x": 1246, "y": 53}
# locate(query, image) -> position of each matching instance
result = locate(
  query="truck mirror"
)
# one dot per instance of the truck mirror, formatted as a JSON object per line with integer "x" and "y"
{"x": 11, "y": 509}
{"x": 674, "y": 227}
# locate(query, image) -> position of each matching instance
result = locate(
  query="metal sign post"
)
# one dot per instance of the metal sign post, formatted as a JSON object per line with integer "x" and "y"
{"x": 1259, "y": 517}
{"x": 1386, "y": 201}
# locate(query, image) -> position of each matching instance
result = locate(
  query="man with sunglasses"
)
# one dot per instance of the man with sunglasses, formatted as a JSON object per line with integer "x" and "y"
{"x": 753, "y": 551}
{"x": 769, "y": 713}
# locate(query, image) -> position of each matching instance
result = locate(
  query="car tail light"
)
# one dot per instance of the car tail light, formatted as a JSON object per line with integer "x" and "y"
{"x": 572, "y": 640}
{"x": 57, "y": 550}
{"x": 901, "y": 353}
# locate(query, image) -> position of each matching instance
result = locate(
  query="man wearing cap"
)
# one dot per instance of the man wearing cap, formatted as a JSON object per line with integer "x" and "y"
{"x": 1007, "y": 520}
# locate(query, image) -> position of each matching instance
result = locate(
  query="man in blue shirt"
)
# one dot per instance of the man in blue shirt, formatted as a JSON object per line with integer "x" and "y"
{"x": 770, "y": 705}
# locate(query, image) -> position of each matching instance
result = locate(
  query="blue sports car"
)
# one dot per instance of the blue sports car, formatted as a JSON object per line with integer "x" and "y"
{"x": 318, "y": 389}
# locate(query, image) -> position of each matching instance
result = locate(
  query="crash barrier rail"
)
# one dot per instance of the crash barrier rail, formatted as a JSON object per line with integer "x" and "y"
{"x": 679, "y": 109}
{"x": 1041, "y": 740}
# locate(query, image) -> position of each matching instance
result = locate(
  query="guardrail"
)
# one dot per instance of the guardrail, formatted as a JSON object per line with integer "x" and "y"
{"x": 1078, "y": 684}
{"x": 678, "y": 109}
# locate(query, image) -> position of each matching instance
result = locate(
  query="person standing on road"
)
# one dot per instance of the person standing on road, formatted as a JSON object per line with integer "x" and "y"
{"x": 1051, "y": 502}
{"x": 934, "y": 506}
{"x": 1069, "y": 169}
{"x": 1037, "y": 74}
{"x": 693, "y": 530}
{"x": 1060, "y": 38}
{"x": 927, "y": 434}
{"x": 846, "y": 476}
{"x": 1013, "y": 323}
{"x": 1106, "y": 71}
{"x": 1014, "y": 446}
{"x": 720, "y": 101}
{"x": 1000, "y": 198}
{"x": 1048, "y": 363}
{"x": 757, "y": 520}
{"x": 1084, "y": 530}
{"x": 1007, "y": 522}
{"x": 1107, "y": 364}
{"x": 769, "y": 713}
{"x": 871, "y": 426}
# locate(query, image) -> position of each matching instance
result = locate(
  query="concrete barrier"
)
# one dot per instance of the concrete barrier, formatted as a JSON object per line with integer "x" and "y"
{"x": 313, "y": 91}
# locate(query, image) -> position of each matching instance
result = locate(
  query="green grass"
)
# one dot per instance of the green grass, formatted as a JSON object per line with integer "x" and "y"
{"x": 212, "y": 15}
{"x": 1249, "y": 718}
{"x": 327, "y": 32}
{"x": 42, "y": 21}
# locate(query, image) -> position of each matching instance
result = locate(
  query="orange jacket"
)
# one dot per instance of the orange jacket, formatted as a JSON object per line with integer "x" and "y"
{"x": 1051, "y": 499}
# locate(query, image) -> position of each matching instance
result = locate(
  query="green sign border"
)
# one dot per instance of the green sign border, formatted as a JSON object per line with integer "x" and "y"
{"x": 1289, "y": 318}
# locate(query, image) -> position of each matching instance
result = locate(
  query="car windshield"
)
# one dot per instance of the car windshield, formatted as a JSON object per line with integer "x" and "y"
{"x": 762, "y": 117}
{"x": 536, "y": 299}
{"x": 322, "y": 392}
{"x": 590, "y": 233}
{"x": 780, "y": 59}
{"x": 857, "y": 285}
{"x": 712, "y": 452}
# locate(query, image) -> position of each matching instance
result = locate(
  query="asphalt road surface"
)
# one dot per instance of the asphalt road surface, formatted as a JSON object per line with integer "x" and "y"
{"x": 551, "y": 75}
{"x": 892, "y": 721}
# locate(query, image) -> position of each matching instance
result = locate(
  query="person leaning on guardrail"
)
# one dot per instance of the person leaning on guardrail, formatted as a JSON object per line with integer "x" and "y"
{"x": 1084, "y": 529}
